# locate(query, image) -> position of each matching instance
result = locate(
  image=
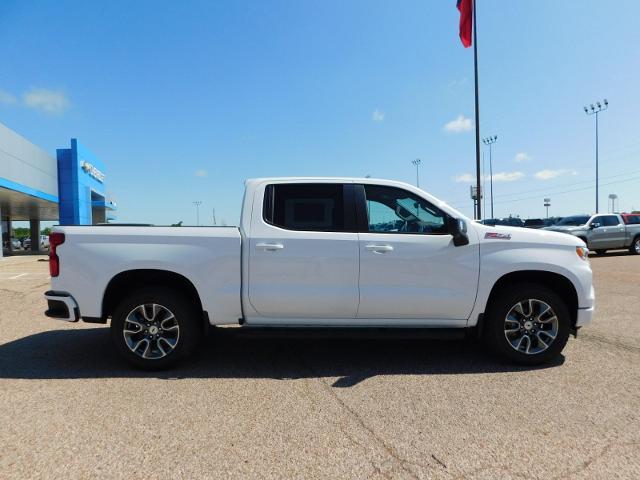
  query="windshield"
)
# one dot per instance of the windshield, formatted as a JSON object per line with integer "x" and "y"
{"x": 574, "y": 221}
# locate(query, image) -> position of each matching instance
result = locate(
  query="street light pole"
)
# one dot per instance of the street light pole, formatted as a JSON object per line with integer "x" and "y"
{"x": 197, "y": 204}
{"x": 417, "y": 162}
{"x": 595, "y": 110}
{"x": 490, "y": 141}
{"x": 547, "y": 204}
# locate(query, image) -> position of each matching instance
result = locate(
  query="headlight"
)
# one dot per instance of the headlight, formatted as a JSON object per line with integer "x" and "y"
{"x": 583, "y": 253}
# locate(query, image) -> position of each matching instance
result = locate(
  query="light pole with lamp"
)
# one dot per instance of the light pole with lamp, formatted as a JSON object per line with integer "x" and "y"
{"x": 417, "y": 162}
{"x": 197, "y": 204}
{"x": 490, "y": 141}
{"x": 547, "y": 204}
{"x": 595, "y": 110}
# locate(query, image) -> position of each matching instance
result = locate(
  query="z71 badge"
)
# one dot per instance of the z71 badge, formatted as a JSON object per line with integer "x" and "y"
{"x": 497, "y": 236}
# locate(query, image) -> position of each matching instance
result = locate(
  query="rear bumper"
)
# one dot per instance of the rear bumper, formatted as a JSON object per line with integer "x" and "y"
{"x": 62, "y": 306}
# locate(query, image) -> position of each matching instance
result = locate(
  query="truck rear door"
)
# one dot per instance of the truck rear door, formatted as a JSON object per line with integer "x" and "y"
{"x": 303, "y": 253}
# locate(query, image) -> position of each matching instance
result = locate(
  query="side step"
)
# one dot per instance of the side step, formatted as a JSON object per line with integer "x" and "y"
{"x": 352, "y": 332}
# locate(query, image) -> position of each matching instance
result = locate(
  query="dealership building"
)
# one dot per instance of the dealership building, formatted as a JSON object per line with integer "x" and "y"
{"x": 68, "y": 188}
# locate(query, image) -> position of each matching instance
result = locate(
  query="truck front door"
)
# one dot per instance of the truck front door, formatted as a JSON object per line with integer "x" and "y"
{"x": 409, "y": 267}
{"x": 303, "y": 253}
{"x": 607, "y": 232}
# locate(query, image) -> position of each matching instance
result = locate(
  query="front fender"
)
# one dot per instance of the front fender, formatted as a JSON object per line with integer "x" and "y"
{"x": 497, "y": 261}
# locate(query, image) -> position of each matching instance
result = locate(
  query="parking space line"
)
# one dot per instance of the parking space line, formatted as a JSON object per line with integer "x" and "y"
{"x": 17, "y": 276}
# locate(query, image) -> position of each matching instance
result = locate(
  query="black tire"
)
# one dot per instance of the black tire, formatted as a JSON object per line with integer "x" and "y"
{"x": 601, "y": 252}
{"x": 500, "y": 307}
{"x": 185, "y": 317}
{"x": 635, "y": 246}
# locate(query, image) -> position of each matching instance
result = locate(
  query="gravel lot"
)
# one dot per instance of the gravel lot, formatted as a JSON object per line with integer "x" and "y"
{"x": 317, "y": 408}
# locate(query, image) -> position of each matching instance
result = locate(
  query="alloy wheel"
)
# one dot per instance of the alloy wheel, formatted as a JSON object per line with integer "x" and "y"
{"x": 151, "y": 331}
{"x": 531, "y": 326}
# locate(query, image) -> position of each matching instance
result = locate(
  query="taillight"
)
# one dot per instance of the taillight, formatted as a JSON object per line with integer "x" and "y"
{"x": 55, "y": 239}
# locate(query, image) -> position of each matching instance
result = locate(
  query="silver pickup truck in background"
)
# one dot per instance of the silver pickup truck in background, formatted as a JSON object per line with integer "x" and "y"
{"x": 602, "y": 232}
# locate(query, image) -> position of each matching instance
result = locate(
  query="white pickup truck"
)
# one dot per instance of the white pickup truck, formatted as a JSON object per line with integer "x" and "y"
{"x": 324, "y": 252}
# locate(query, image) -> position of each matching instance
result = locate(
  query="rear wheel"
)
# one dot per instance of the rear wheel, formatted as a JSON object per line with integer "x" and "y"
{"x": 528, "y": 323}
{"x": 154, "y": 327}
{"x": 635, "y": 246}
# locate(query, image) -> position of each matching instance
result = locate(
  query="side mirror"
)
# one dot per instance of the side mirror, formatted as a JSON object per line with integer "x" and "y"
{"x": 458, "y": 229}
{"x": 594, "y": 225}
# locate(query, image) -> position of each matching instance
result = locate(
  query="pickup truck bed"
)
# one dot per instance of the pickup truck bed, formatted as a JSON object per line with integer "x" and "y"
{"x": 207, "y": 257}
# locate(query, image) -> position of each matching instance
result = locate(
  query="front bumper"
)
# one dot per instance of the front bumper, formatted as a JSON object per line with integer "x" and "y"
{"x": 61, "y": 306}
{"x": 585, "y": 316}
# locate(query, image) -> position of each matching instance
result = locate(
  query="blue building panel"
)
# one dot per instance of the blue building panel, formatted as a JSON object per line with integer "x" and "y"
{"x": 80, "y": 184}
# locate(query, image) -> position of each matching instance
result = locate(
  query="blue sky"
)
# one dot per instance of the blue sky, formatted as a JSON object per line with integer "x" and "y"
{"x": 184, "y": 100}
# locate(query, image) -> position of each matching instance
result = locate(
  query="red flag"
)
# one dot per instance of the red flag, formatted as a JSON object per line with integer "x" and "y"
{"x": 466, "y": 19}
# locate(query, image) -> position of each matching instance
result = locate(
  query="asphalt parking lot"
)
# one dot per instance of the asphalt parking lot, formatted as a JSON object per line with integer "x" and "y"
{"x": 317, "y": 408}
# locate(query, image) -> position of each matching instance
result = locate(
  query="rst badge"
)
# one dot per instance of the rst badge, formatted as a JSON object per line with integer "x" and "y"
{"x": 497, "y": 236}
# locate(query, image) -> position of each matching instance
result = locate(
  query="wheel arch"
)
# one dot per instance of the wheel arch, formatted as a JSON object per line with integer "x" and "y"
{"x": 555, "y": 281}
{"x": 131, "y": 280}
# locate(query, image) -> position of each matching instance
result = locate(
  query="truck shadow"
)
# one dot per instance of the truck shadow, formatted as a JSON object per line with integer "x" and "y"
{"x": 87, "y": 353}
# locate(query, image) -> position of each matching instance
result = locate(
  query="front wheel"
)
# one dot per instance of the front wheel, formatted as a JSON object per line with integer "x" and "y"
{"x": 528, "y": 323}
{"x": 154, "y": 327}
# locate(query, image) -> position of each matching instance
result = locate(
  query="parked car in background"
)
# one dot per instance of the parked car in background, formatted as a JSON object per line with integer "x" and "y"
{"x": 512, "y": 221}
{"x": 602, "y": 232}
{"x": 567, "y": 223}
{"x": 488, "y": 221}
{"x": 324, "y": 252}
{"x": 44, "y": 243}
{"x": 508, "y": 221}
{"x": 534, "y": 223}
{"x": 551, "y": 221}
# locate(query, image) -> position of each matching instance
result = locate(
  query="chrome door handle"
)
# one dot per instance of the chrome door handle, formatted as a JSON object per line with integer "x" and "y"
{"x": 269, "y": 246}
{"x": 379, "y": 248}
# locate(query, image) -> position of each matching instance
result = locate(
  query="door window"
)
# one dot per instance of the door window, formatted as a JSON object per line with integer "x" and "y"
{"x": 393, "y": 210}
{"x": 305, "y": 206}
{"x": 609, "y": 221}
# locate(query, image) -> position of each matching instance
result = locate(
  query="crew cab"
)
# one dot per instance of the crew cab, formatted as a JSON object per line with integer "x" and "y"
{"x": 602, "y": 232}
{"x": 327, "y": 253}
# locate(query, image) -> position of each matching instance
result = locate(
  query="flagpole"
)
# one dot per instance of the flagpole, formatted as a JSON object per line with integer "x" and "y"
{"x": 475, "y": 68}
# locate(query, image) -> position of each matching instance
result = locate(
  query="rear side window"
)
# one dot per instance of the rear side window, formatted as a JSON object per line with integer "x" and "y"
{"x": 305, "y": 206}
{"x": 632, "y": 219}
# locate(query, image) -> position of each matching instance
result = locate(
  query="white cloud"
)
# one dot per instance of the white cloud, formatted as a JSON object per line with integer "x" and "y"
{"x": 549, "y": 174}
{"x": 464, "y": 178}
{"x": 522, "y": 157}
{"x": 460, "y": 124}
{"x": 6, "y": 98}
{"x": 454, "y": 84}
{"x": 49, "y": 101}
{"x": 201, "y": 173}
{"x": 497, "y": 177}
{"x": 377, "y": 115}
{"x": 507, "y": 176}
